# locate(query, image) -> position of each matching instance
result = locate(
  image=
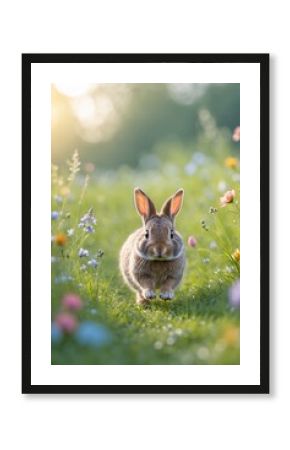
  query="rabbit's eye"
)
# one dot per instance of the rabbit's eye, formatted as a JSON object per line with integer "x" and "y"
{"x": 172, "y": 234}
{"x": 146, "y": 234}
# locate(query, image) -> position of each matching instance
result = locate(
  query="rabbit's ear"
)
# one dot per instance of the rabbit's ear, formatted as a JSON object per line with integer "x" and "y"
{"x": 173, "y": 205}
{"x": 143, "y": 204}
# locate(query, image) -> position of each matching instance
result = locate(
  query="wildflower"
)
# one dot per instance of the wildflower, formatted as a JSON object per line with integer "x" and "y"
{"x": 89, "y": 229}
{"x": 236, "y": 134}
{"x": 87, "y": 221}
{"x": 89, "y": 218}
{"x": 192, "y": 241}
{"x": 74, "y": 165}
{"x": 56, "y": 333}
{"x": 228, "y": 197}
{"x": 83, "y": 252}
{"x": 93, "y": 263}
{"x": 231, "y": 336}
{"x": 231, "y": 162}
{"x": 236, "y": 255}
{"x": 83, "y": 267}
{"x": 92, "y": 334}
{"x": 212, "y": 210}
{"x": 66, "y": 322}
{"x": 54, "y": 215}
{"x": 60, "y": 239}
{"x": 234, "y": 294}
{"x": 70, "y": 232}
{"x": 72, "y": 301}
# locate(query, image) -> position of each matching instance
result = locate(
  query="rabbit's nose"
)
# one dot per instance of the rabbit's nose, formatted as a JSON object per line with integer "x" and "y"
{"x": 161, "y": 251}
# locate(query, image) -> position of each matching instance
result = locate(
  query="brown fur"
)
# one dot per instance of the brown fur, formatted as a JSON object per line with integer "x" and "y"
{"x": 155, "y": 261}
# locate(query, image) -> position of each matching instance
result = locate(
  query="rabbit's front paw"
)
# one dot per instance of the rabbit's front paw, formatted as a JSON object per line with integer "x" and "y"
{"x": 167, "y": 295}
{"x": 148, "y": 294}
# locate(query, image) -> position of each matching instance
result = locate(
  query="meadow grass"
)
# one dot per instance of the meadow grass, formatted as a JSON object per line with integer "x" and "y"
{"x": 199, "y": 326}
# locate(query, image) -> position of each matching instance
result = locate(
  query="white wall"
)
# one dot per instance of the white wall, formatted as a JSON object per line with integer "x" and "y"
{"x": 74, "y": 422}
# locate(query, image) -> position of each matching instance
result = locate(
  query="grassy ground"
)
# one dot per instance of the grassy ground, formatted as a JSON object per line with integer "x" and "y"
{"x": 199, "y": 326}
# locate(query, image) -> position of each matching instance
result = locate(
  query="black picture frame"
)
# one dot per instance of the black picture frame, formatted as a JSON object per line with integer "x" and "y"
{"x": 27, "y": 61}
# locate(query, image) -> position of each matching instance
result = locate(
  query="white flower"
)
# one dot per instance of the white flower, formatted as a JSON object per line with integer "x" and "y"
{"x": 83, "y": 252}
{"x": 93, "y": 263}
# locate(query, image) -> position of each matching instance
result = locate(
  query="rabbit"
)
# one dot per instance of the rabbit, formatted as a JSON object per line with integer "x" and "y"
{"x": 153, "y": 256}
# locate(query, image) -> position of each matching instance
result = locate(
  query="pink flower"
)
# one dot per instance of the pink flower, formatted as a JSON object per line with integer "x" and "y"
{"x": 191, "y": 241}
{"x": 72, "y": 302}
{"x": 228, "y": 197}
{"x": 66, "y": 322}
{"x": 236, "y": 134}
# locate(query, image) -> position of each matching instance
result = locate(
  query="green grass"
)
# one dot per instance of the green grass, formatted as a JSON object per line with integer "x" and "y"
{"x": 198, "y": 326}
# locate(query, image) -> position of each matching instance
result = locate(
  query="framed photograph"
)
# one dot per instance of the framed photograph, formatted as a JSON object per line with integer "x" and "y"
{"x": 145, "y": 223}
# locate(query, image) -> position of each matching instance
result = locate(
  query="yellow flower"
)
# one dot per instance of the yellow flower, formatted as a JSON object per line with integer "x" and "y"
{"x": 60, "y": 239}
{"x": 231, "y": 162}
{"x": 236, "y": 255}
{"x": 231, "y": 336}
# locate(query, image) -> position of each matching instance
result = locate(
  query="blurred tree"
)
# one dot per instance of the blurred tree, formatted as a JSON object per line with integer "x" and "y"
{"x": 151, "y": 116}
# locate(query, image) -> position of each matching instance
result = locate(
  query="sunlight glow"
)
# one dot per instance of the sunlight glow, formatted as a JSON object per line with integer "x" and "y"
{"x": 73, "y": 89}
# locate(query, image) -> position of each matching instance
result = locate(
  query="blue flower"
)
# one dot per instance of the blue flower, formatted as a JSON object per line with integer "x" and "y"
{"x": 92, "y": 334}
{"x": 54, "y": 215}
{"x": 56, "y": 333}
{"x": 83, "y": 252}
{"x": 93, "y": 263}
{"x": 87, "y": 221}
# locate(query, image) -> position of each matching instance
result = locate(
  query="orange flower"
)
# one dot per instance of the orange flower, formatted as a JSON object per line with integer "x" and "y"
{"x": 231, "y": 162}
{"x": 60, "y": 239}
{"x": 228, "y": 197}
{"x": 231, "y": 336}
{"x": 236, "y": 255}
